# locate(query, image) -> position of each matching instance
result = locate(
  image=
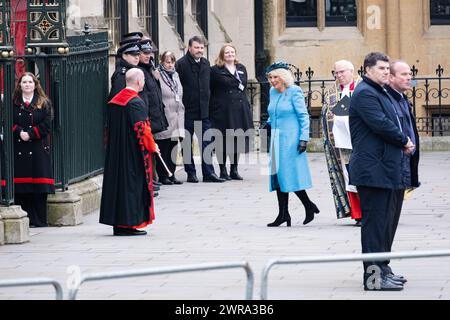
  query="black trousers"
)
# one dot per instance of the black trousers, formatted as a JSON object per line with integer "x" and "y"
{"x": 35, "y": 205}
{"x": 166, "y": 147}
{"x": 380, "y": 215}
{"x": 205, "y": 156}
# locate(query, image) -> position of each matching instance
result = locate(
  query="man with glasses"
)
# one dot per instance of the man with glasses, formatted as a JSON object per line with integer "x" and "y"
{"x": 337, "y": 142}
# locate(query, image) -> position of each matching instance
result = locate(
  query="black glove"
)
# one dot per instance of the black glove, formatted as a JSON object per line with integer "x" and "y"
{"x": 301, "y": 146}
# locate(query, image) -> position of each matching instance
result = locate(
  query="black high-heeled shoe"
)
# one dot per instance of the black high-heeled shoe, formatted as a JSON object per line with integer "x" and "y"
{"x": 310, "y": 213}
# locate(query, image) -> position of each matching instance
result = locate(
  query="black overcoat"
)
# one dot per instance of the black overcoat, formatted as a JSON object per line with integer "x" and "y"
{"x": 126, "y": 195}
{"x": 152, "y": 97}
{"x": 229, "y": 106}
{"x": 195, "y": 79}
{"x": 33, "y": 171}
{"x": 414, "y": 160}
{"x": 118, "y": 81}
{"x": 377, "y": 138}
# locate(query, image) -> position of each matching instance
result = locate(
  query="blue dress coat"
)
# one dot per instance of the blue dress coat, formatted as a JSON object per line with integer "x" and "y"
{"x": 289, "y": 121}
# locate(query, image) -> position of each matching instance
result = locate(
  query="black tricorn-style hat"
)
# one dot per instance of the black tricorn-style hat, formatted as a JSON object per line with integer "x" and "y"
{"x": 133, "y": 48}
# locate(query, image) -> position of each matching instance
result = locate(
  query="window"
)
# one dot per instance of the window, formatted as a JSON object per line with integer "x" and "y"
{"x": 340, "y": 13}
{"x": 301, "y": 13}
{"x": 315, "y": 13}
{"x": 111, "y": 10}
{"x": 147, "y": 11}
{"x": 440, "y": 12}
{"x": 176, "y": 16}
{"x": 199, "y": 10}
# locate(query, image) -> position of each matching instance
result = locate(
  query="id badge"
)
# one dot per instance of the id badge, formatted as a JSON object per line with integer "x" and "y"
{"x": 177, "y": 98}
{"x": 241, "y": 87}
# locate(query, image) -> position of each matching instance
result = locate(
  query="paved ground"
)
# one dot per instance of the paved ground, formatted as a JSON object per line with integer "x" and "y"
{"x": 201, "y": 223}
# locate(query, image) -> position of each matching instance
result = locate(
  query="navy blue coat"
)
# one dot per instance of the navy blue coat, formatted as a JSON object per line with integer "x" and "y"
{"x": 377, "y": 138}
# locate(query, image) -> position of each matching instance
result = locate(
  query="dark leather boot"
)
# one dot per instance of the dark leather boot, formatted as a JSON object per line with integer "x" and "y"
{"x": 310, "y": 207}
{"x": 283, "y": 213}
{"x": 310, "y": 211}
{"x": 223, "y": 172}
{"x": 234, "y": 174}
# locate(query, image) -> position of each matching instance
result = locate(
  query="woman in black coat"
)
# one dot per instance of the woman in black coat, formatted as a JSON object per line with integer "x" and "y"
{"x": 230, "y": 109}
{"x": 33, "y": 174}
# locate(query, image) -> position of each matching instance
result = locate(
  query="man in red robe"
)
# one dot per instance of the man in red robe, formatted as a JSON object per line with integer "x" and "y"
{"x": 127, "y": 194}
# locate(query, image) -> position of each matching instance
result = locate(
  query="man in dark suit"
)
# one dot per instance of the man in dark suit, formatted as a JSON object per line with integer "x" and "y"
{"x": 379, "y": 147}
{"x": 194, "y": 72}
{"x": 399, "y": 82}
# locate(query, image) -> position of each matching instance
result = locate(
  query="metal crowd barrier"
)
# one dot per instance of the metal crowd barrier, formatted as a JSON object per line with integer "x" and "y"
{"x": 158, "y": 271}
{"x": 345, "y": 258}
{"x": 34, "y": 282}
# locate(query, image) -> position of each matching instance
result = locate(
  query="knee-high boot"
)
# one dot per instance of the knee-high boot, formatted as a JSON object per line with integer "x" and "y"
{"x": 223, "y": 172}
{"x": 283, "y": 213}
{"x": 234, "y": 174}
{"x": 310, "y": 207}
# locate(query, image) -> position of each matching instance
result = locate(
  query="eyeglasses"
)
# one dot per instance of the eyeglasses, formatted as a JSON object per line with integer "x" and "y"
{"x": 341, "y": 71}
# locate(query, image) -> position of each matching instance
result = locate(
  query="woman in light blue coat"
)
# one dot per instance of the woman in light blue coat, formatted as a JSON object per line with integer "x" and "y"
{"x": 289, "y": 121}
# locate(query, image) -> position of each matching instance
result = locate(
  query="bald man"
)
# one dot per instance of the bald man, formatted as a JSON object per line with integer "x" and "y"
{"x": 337, "y": 142}
{"x": 127, "y": 194}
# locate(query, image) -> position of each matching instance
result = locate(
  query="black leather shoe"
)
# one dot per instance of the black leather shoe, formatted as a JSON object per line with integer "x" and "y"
{"x": 175, "y": 180}
{"x": 192, "y": 178}
{"x": 128, "y": 232}
{"x": 156, "y": 183}
{"x": 235, "y": 175}
{"x": 166, "y": 181}
{"x": 385, "y": 284}
{"x": 397, "y": 278}
{"x": 212, "y": 178}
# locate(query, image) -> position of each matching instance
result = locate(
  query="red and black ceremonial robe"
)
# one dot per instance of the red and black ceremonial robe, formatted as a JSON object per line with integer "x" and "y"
{"x": 127, "y": 194}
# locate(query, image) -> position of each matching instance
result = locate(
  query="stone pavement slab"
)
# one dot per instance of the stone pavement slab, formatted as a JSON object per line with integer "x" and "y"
{"x": 211, "y": 222}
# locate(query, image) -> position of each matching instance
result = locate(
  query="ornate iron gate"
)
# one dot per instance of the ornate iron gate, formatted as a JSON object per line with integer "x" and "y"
{"x": 73, "y": 70}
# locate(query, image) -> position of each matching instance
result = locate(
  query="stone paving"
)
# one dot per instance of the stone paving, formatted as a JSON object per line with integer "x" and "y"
{"x": 208, "y": 222}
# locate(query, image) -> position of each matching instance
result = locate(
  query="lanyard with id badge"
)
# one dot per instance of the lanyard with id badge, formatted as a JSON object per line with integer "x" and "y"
{"x": 241, "y": 86}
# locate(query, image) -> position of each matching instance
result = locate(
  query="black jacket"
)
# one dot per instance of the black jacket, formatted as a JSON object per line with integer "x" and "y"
{"x": 33, "y": 171}
{"x": 414, "y": 159}
{"x": 195, "y": 79}
{"x": 153, "y": 100}
{"x": 376, "y": 138}
{"x": 229, "y": 106}
{"x": 118, "y": 78}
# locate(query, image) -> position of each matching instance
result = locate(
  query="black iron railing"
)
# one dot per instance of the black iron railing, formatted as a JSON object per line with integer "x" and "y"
{"x": 429, "y": 97}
